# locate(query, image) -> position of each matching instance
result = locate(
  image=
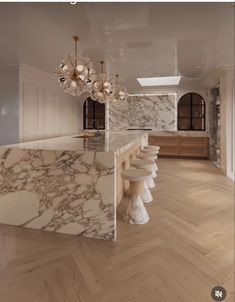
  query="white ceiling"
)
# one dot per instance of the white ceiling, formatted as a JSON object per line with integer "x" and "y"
{"x": 135, "y": 39}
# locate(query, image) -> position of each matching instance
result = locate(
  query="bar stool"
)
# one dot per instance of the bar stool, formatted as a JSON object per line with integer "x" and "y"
{"x": 148, "y": 165}
{"x": 146, "y": 155}
{"x": 149, "y": 183}
{"x": 152, "y": 147}
{"x": 150, "y": 152}
{"x": 136, "y": 212}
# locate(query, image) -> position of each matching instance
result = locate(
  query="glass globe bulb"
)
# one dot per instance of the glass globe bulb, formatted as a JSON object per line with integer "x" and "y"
{"x": 97, "y": 85}
{"x": 82, "y": 77}
{"x": 100, "y": 95}
{"x": 107, "y": 84}
{"x": 73, "y": 85}
{"x": 80, "y": 68}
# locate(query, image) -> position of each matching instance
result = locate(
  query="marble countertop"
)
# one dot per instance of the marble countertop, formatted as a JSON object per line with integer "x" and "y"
{"x": 109, "y": 141}
{"x": 179, "y": 133}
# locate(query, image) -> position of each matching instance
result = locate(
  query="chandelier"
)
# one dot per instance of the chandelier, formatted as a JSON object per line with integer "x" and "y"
{"x": 101, "y": 90}
{"x": 76, "y": 74}
{"x": 119, "y": 93}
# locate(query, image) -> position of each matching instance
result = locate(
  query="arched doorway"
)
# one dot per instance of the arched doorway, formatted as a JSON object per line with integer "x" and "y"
{"x": 192, "y": 112}
{"x": 93, "y": 115}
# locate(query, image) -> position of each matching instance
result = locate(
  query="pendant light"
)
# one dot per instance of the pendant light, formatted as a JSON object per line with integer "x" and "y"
{"x": 119, "y": 93}
{"x": 101, "y": 90}
{"x": 76, "y": 74}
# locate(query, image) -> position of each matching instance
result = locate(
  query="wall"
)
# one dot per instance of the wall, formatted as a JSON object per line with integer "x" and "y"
{"x": 157, "y": 112}
{"x": 9, "y": 120}
{"x": 224, "y": 76}
{"x": 44, "y": 110}
{"x": 33, "y": 107}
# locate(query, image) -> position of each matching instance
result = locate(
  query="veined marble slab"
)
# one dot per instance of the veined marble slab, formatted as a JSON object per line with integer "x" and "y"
{"x": 68, "y": 191}
{"x": 157, "y": 112}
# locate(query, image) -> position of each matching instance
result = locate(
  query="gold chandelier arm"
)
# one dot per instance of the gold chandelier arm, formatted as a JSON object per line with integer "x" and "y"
{"x": 102, "y": 71}
{"x": 76, "y": 39}
{"x": 117, "y": 79}
{"x": 70, "y": 59}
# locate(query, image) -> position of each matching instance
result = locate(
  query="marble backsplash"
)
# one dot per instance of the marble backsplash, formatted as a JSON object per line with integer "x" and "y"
{"x": 157, "y": 112}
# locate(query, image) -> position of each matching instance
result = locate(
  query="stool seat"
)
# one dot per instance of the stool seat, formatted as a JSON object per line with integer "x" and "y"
{"x": 152, "y": 147}
{"x": 142, "y": 163}
{"x": 150, "y": 151}
{"x": 145, "y": 155}
{"x": 137, "y": 175}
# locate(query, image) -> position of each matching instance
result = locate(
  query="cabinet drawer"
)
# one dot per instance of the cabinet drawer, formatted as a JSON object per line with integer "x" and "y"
{"x": 164, "y": 140}
{"x": 193, "y": 141}
{"x": 169, "y": 150}
{"x": 193, "y": 151}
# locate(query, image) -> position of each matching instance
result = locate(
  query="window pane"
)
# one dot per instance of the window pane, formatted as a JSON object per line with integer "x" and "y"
{"x": 184, "y": 108}
{"x": 198, "y": 124}
{"x": 184, "y": 124}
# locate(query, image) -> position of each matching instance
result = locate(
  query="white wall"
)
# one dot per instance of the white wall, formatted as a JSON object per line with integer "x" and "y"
{"x": 33, "y": 107}
{"x": 9, "y": 120}
{"x": 44, "y": 110}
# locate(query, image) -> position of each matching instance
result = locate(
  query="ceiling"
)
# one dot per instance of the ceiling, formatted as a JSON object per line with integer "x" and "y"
{"x": 134, "y": 39}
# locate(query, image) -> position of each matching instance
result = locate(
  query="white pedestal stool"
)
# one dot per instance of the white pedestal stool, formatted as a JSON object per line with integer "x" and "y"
{"x": 150, "y": 152}
{"x": 146, "y": 155}
{"x": 149, "y": 183}
{"x": 152, "y": 147}
{"x": 136, "y": 212}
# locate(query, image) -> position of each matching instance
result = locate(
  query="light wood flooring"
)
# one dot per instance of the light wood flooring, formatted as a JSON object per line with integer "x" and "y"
{"x": 179, "y": 256}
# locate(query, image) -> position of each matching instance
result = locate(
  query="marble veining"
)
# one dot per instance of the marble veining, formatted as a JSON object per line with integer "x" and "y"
{"x": 64, "y": 185}
{"x": 157, "y": 112}
{"x": 59, "y": 191}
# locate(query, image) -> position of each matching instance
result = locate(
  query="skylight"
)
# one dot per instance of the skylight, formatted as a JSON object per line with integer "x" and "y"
{"x": 159, "y": 81}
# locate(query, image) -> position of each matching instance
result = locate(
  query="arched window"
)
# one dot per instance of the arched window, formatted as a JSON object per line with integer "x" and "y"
{"x": 192, "y": 112}
{"x": 93, "y": 115}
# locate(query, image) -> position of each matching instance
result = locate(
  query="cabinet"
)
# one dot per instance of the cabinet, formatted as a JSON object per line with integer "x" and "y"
{"x": 181, "y": 146}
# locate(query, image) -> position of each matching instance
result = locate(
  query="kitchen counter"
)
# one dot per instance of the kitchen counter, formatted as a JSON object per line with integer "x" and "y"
{"x": 179, "y": 133}
{"x": 67, "y": 185}
{"x": 108, "y": 141}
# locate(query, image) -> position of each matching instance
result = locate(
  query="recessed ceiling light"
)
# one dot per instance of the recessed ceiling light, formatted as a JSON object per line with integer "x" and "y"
{"x": 159, "y": 81}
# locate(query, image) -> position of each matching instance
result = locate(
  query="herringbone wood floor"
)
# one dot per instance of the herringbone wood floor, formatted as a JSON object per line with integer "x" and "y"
{"x": 185, "y": 250}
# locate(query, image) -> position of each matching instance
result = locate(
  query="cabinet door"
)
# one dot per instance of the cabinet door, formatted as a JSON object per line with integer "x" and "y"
{"x": 169, "y": 145}
{"x": 193, "y": 146}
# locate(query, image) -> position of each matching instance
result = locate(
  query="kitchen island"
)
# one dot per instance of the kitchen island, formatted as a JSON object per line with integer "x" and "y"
{"x": 69, "y": 185}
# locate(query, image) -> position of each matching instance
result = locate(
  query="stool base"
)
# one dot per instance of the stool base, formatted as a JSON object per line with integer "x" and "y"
{"x": 147, "y": 195}
{"x": 136, "y": 212}
{"x": 150, "y": 183}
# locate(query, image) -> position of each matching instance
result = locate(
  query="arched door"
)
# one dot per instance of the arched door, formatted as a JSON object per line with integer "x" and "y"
{"x": 93, "y": 115}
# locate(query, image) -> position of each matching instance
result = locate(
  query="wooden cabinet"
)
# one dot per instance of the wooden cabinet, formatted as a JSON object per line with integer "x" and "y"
{"x": 181, "y": 146}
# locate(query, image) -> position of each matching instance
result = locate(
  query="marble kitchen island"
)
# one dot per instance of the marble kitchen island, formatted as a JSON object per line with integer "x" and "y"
{"x": 68, "y": 185}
